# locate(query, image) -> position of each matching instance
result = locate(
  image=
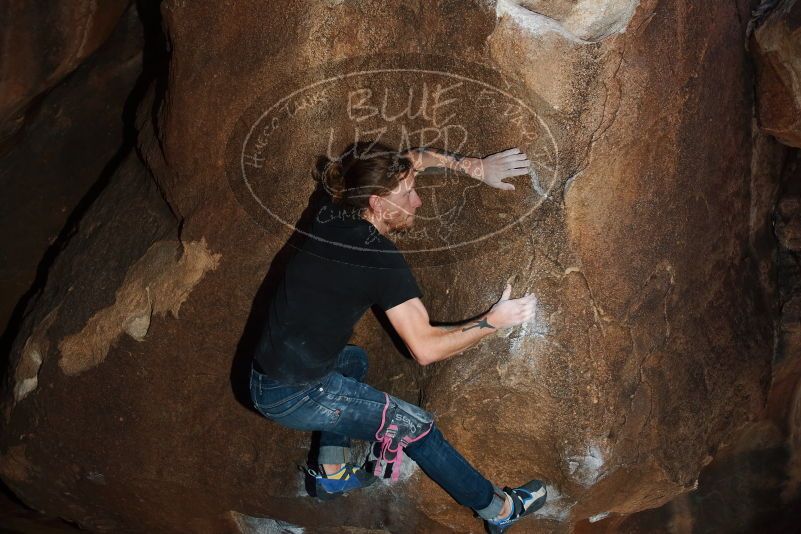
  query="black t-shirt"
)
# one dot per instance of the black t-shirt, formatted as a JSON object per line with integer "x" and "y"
{"x": 343, "y": 267}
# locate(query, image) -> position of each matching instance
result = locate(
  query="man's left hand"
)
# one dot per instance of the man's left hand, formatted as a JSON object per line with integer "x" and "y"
{"x": 493, "y": 169}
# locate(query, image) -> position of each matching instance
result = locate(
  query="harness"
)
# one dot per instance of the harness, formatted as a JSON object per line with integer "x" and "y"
{"x": 401, "y": 424}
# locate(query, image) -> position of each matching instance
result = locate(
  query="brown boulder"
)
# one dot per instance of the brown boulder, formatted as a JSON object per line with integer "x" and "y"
{"x": 777, "y": 51}
{"x": 635, "y": 229}
{"x": 740, "y": 491}
{"x": 68, "y": 145}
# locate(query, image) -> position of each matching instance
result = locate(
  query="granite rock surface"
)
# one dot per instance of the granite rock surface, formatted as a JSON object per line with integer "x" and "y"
{"x": 638, "y": 229}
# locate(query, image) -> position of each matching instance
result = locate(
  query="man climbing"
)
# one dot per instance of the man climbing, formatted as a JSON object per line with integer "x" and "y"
{"x": 305, "y": 375}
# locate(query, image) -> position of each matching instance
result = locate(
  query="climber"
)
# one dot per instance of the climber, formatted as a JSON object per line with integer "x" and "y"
{"x": 305, "y": 376}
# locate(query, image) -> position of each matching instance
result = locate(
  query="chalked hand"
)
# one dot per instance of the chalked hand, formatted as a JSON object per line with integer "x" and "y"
{"x": 509, "y": 312}
{"x": 493, "y": 169}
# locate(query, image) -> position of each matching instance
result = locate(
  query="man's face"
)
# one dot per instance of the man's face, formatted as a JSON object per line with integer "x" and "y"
{"x": 399, "y": 206}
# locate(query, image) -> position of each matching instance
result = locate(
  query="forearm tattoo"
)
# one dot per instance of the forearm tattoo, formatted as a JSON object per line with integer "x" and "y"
{"x": 454, "y": 155}
{"x": 483, "y": 323}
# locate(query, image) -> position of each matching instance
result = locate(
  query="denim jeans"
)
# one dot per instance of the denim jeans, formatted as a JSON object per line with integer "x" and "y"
{"x": 342, "y": 407}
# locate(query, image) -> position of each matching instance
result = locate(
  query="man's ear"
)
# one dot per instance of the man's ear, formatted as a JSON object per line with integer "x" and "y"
{"x": 375, "y": 203}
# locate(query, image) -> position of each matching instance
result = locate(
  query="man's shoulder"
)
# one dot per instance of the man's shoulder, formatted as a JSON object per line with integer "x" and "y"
{"x": 355, "y": 252}
{"x": 340, "y": 234}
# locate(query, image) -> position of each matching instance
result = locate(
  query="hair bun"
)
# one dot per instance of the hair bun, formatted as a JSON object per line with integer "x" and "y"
{"x": 333, "y": 179}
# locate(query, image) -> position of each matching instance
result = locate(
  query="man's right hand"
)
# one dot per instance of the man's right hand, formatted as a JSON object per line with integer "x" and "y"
{"x": 429, "y": 344}
{"x": 512, "y": 312}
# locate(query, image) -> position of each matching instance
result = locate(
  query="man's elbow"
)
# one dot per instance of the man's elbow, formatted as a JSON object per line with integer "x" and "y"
{"x": 423, "y": 344}
{"x": 423, "y": 355}
{"x": 423, "y": 360}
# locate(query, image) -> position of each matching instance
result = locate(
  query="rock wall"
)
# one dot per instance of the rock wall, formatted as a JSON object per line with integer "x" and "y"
{"x": 43, "y": 43}
{"x": 753, "y": 482}
{"x": 638, "y": 229}
{"x": 777, "y": 43}
{"x": 777, "y": 50}
{"x": 67, "y": 147}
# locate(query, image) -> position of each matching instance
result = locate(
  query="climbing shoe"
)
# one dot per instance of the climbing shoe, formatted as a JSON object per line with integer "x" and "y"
{"x": 349, "y": 478}
{"x": 526, "y": 499}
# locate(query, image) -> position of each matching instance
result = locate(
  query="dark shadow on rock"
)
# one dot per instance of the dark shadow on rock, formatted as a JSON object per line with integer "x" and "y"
{"x": 155, "y": 64}
{"x": 16, "y": 516}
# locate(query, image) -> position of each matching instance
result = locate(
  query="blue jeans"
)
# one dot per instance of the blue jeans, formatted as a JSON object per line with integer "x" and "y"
{"x": 342, "y": 407}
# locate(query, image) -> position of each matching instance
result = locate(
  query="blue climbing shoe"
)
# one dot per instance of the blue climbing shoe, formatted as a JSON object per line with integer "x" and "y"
{"x": 526, "y": 499}
{"x": 349, "y": 478}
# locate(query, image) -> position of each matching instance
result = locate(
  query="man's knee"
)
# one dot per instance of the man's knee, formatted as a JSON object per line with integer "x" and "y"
{"x": 412, "y": 414}
{"x": 408, "y": 423}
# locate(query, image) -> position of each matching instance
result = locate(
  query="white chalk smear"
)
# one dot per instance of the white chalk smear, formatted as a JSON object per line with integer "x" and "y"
{"x": 557, "y": 506}
{"x": 587, "y": 469}
{"x": 532, "y": 22}
{"x": 264, "y": 525}
{"x": 598, "y": 517}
